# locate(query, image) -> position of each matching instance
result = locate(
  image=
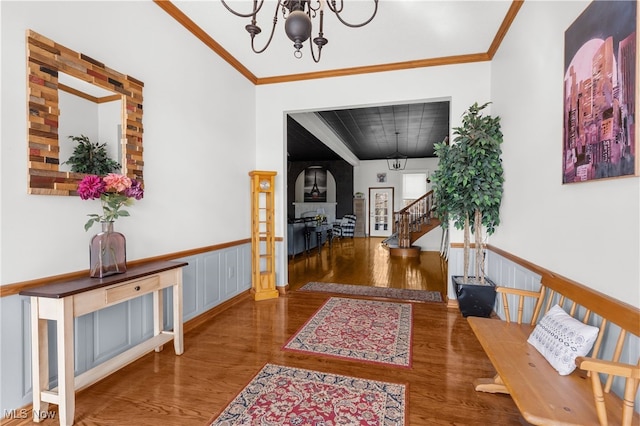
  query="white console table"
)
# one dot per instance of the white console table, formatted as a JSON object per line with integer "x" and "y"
{"x": 63, "y": 301}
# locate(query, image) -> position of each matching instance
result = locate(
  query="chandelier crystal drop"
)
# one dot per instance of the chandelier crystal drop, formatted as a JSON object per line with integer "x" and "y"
{"x": 299, "y": 16}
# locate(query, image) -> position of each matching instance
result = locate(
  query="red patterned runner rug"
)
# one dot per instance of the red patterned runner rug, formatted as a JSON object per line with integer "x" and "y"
{"x": 358, "y": 329}
{"x": 368, "y": 291}
{"x": 280, "y": 395}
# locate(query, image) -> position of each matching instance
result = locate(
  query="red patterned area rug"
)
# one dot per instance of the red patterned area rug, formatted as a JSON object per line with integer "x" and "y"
{"x": 280, "y": 395}
{"x": 380, "y": 292}
{"x": 358, "y": 329}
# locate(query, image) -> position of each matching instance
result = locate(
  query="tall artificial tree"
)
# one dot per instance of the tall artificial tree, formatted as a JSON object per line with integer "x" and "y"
{"x": 468, "y": 183}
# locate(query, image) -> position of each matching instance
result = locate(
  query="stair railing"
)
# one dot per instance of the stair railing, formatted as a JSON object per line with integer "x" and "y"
{"x": 412, "y": 217}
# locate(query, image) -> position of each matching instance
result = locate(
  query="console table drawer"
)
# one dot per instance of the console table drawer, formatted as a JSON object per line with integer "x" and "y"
{"x": 132, "y": 289}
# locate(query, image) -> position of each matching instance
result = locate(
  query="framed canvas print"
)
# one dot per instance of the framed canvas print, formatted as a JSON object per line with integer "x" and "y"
{"x": 315, "y": 184}
{"x": 600, "y": 92}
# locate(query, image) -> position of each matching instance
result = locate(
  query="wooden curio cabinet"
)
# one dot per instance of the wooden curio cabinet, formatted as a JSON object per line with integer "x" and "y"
{"x": 263, "y": 275}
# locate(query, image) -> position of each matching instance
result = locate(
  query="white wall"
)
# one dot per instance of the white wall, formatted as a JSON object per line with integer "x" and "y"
{"x": 199, "y": 141}
{"x": 589, "y": 232}
{"x": 365, "y": 177}
{"x": 463, "y": 84}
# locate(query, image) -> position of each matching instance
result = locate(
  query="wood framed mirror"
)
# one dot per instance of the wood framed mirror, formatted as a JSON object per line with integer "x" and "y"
{"x": 45, "y": 60}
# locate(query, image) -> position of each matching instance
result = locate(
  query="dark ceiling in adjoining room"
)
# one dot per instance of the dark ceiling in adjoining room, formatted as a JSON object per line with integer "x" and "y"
{"x": 302, "y": 145}
{"x": 370, "y": 133}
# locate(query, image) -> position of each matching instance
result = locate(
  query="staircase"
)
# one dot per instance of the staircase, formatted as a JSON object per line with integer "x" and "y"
{"x": 409, "y": 224}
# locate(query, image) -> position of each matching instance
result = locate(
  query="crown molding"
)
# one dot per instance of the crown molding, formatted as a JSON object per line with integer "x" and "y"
{"x": 183, "y": 19}
{"x": 186, "y": 22}
{"x": 504, "y": 27}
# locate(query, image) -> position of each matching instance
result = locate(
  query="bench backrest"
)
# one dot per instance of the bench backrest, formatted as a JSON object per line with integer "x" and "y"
{"x": 619, "y": 331}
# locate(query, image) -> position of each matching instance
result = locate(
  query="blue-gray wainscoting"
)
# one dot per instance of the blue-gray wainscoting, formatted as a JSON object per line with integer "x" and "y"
{"x": 208, "y": 280}
{"x": 502, "y": 271}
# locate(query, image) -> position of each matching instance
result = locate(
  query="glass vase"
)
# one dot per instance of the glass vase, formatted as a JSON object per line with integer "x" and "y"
{"x": 107, "y": 252}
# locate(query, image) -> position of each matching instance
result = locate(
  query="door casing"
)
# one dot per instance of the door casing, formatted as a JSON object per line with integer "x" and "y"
{"x": 372, "y": 211}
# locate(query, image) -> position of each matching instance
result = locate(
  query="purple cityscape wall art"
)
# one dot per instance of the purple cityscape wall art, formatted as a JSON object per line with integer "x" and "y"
{"x": 600, "y": 92}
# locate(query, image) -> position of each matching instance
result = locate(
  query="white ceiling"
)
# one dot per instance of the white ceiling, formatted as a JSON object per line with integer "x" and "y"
{"x": 403, "y": 30}
{"x": 403, "y": 34}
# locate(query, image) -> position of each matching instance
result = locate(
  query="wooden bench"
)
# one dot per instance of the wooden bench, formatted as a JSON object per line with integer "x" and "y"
{"x": 541, "y": 394}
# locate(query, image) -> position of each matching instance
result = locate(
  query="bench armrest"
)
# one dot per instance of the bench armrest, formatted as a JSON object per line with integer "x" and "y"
{"x": 518, "y": 292}
{"x": 522, "y": 294}
{"x": 608, "y": 367}
{"x": 632, "y": 374}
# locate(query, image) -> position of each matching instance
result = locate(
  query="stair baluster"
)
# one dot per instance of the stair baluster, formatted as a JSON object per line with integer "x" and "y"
{"x": 413, "y": 221}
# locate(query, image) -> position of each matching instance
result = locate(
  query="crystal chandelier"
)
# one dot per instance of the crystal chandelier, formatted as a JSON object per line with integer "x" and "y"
{"x": 298, "y": 15}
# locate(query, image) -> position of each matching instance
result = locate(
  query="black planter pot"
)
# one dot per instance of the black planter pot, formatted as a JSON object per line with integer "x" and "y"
{"x": 476, "y": 300}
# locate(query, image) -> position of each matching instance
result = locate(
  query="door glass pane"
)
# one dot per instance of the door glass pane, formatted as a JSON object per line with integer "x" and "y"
{"x": 381, "y": 212}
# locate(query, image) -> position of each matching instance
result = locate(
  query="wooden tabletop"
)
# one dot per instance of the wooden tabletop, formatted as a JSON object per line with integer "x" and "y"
{"x": 71, "y": 287}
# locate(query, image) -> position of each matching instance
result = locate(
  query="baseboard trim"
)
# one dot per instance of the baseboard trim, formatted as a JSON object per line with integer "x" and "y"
{"x": 413, "y": 251}
{"x": 206, "y": 316}
{"x": 452, "y": 303}
{"x": 283, "y": 290}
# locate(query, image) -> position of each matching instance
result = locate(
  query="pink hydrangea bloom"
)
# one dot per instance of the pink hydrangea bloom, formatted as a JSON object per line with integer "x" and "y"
{"x": 116, "y": 183}
{"x": 91, "y": 187}
{"x": 114, "y": 191}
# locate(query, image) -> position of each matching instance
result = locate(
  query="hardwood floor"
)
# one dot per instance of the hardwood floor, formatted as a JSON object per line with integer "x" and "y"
{"x": 364, "y": 261}
{"x": 222, "y": 355}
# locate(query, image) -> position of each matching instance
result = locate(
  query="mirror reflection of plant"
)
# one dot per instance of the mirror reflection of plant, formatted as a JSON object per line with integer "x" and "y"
{"x": 91, "y": 157}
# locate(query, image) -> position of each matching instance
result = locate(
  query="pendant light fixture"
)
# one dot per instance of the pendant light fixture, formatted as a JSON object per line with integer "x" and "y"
{"x": 298, "y": 15}
{"x": 397, "y": 161}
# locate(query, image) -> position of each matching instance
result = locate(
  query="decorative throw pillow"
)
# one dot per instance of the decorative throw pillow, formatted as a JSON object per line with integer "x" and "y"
{"x": 561, "y": 338}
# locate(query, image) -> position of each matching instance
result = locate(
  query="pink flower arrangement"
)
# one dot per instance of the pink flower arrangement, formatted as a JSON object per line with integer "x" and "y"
{"x": 114, "y": 191}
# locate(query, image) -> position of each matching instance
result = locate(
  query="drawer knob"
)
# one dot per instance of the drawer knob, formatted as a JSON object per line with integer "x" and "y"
{"x": 137, "y": 288}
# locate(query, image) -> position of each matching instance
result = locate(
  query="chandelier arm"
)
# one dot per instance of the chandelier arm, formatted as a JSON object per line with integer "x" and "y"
{"x": 333, "y": 7}
{"x": 338, "y": 11}
{"x": 273, "y": 30}
{"x": 320, "y": 40}
{"x": 297, "y": 6}
{"x": 313, "y": 54}
{"x": 245, "y": 15}
{"x": 314, "y": 10}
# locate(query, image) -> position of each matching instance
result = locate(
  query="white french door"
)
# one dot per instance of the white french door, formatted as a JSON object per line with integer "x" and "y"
{"x": 380, "y": 211}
